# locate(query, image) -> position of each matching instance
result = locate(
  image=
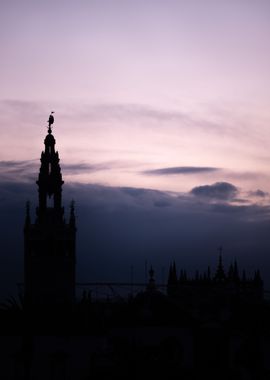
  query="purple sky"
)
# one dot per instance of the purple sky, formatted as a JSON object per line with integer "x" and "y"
{"x": 171, "y": 96}
{"x": 139, "y": 86}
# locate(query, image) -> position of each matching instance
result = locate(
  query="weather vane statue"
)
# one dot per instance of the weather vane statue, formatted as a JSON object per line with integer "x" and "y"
{"x": 50, "y": 121}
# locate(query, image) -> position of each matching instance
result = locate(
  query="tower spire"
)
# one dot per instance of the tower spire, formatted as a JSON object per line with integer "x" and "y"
{"x": 50, "y": 178}
{"x": 50, "y": 243}
{"x": 220, "y": 274}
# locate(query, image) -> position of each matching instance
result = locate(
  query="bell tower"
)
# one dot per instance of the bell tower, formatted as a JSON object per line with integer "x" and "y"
{"x": 50, "y": 242}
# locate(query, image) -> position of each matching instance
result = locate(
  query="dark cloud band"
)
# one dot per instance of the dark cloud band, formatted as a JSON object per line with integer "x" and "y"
{"x": 121, "y": 226}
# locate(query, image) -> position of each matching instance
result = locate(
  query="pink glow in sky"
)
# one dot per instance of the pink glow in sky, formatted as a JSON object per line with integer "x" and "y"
{"x": 138, "y": 86}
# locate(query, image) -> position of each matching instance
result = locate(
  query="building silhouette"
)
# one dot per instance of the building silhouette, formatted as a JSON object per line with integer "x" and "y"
{"x": 49, "y": 242}
{"x": 221, "y": 285}
{"x": 213, "y": 326}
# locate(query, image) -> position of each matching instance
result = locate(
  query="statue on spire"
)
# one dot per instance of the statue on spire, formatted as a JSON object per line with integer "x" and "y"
{"x": 51, "y": 120}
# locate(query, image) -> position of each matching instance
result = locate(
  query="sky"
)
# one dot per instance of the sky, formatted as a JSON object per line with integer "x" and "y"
{"x": 168, "y": 99}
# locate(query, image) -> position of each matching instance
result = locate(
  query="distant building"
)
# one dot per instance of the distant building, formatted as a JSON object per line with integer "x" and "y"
{"x": 222, "y": 285}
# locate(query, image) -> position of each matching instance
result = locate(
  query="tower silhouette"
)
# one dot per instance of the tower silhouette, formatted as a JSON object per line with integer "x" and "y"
{"x": 49, "y": 242}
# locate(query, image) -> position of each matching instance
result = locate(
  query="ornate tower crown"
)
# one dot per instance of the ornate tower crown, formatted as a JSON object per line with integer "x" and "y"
{"x": 50, "y": 178}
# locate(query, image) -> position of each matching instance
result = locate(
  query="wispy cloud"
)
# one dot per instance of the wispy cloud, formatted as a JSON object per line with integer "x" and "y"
{"x": 181, "y": 118}
{"x": 92, "y": 112}
{"x": 84, "y": 168}
{"x": 258, "y": 193}
{"x": 15, "y": 165}
{"x": 17, "y": 170}
{"x": 24, "y": 112}
{"x": 25, "y": 170}
{"x": 125, "y": 111}
{"x": 180, "y": 170}
{"x": 151, "y": 136}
